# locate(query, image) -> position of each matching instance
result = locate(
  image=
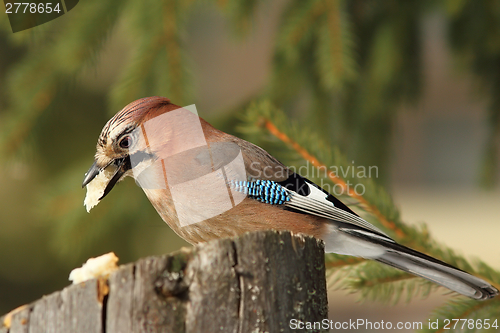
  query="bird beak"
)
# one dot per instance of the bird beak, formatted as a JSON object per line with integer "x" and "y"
{"x": 121, "y": 167}
{"x": 91, "y": 174}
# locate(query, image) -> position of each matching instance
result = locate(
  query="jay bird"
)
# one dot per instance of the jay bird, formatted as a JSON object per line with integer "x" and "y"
{"x": 206, "y": 184}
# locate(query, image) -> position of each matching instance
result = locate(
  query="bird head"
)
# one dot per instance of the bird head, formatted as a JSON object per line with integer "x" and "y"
{"x": 121, "y": 147}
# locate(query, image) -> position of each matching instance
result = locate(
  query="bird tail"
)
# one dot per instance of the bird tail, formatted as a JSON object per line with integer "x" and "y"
{"x": 388, "y": 252}
{"x": 437, "y": 271}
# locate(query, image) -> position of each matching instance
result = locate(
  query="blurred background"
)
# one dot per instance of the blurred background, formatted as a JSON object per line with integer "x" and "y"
{"x": 412, "y": 87}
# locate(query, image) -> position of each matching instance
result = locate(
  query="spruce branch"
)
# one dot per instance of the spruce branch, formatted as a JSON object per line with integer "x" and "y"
{"x": 32, "y": 84}
{"x": 240, "y": 12}
{"x": 157, "y": 65}
{"x": 385, "y": 284}
{"x": 268, "y": 124}
{"x": 334, "y": 47}
{"x": 297, "y": 25}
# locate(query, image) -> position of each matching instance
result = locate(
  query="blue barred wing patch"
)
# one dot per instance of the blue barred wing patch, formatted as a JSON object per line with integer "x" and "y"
{"x": 263, "y": 190}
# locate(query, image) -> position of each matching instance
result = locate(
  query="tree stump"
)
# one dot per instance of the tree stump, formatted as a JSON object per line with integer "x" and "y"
{"x": 258, "y": 282}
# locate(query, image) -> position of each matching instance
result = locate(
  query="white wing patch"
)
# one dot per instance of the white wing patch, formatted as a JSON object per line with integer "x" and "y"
{"x": 316, "y": 204}
{"x": 316, "y": 194}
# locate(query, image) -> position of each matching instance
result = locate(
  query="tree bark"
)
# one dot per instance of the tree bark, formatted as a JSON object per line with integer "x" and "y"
{"x": 254, "y": 283}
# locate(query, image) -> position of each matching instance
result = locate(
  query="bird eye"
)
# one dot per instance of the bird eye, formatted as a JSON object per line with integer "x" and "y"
{"x": 126, "y": 142}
